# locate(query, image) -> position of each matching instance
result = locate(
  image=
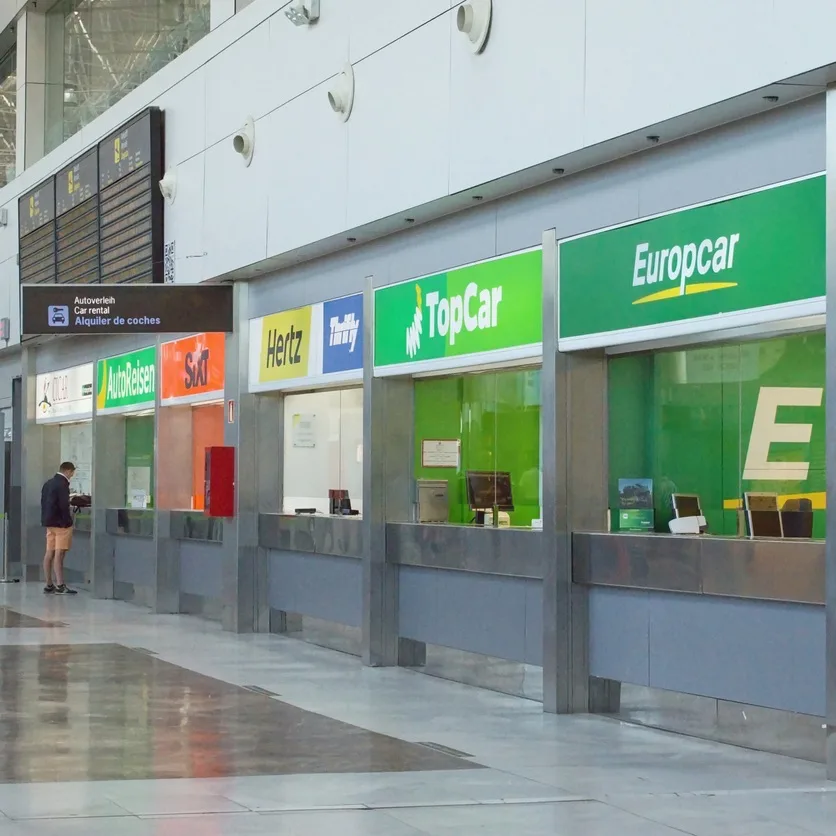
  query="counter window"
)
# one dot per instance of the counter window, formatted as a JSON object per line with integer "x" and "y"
{"x": 139, "y": 460}
{"x": 77, "y": 447}
{"x": 734, "y": 431}
{"x": 323, "y": 450}
{"x": 479, "y": 435}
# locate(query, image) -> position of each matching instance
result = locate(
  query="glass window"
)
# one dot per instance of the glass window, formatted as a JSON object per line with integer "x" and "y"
{"x": 77, "y": 447}
{"x": 100, "y": 50}
{"x": 139, "y": 460}
{"x": 8, "y": 116}
{"x": 495, "y": 416}
{"x": 719, "y": 422}
{"x": 323, "y": 448}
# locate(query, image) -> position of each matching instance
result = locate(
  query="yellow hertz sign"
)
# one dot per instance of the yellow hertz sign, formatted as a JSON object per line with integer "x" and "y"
{"x": 285, "y": 345}
{"x": 680, "y": 263}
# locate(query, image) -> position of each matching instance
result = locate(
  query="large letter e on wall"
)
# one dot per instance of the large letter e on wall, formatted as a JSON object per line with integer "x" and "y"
{"x": 766, "y": 431}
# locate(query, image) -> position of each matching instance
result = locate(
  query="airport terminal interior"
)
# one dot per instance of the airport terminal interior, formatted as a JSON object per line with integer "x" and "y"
{"x": 414, "y": 417}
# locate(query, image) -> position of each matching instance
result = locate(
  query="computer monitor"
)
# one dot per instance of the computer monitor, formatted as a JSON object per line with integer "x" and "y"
{"x": 686, "y": 505}
{"x": 488, "y": 489}
{"x": 762, "y": 514}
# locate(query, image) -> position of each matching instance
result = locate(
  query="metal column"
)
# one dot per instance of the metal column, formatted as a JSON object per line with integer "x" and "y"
{"x": 574, "y": 395}
{"x": 830, "y": 407}
{"x": 387, "y": 496}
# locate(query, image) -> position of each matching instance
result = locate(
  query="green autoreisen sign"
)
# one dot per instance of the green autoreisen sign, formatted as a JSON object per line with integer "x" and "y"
{"x": 753, "y": 258}
{"x": 489, "y": 307}
{"x": 127, "y": 380}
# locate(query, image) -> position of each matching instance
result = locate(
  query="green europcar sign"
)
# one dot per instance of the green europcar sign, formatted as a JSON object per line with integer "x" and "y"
{"x": 127, "y": 380}
{"x": 745, "y": 260}
{"x": 485, "y": 311}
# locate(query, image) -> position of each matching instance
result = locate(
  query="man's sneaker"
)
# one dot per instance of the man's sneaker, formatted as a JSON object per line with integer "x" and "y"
{"x": 64, "y": 590}
{"x": 49, "y": 589}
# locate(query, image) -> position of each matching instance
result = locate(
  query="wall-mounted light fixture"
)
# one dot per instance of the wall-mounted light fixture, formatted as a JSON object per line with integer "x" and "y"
{"x": 474, "y": 20}
{"x": 168, "y": 186}
{"x": 302, "y": 12}
{"x": 244, "y": 141}
{"x": 341, "y": 93}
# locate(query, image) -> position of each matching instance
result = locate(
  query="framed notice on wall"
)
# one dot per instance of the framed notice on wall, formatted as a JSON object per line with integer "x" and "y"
{"x": 440, "y": 452}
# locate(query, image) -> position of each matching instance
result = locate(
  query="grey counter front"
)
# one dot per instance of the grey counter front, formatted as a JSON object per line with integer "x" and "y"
{"x": 315, "y": 567}
{"x": 472, "y": 588}
{"x": 727, "y": 618}
{"x": 134, "y": 554}
{"x": 197, "y": 540}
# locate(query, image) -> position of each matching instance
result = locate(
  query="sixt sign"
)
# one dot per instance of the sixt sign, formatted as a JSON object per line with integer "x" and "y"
{"x": 342, "y": 334}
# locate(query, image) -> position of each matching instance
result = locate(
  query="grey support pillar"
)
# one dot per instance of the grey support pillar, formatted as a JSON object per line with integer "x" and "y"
{"x": 574, "y": 396}
{"x": 830, "y": 408}
{"x": 245, "y": 568}
{"x": 33, "y": 473}
{"x": 31, "y": 87}
{"x": 387, "y": 496}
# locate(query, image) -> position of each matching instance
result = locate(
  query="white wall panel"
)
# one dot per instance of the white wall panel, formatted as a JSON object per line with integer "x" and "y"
{"x": 307, "y": 177}
{"x": 8, "y": 234}
{"x": 375, "y": 23}
{"x": 398, "y": 130}
{"x": 648, "y": 60}
{"x": 803, "y": 35}
{"x": 235, "y": 208}
{"x": 238, "y": 84}
{"x": 185, "y": 114}
{"x": 507, "y": 115}
{"x": 184, "y": 222}
{"x": 303, "y": 56}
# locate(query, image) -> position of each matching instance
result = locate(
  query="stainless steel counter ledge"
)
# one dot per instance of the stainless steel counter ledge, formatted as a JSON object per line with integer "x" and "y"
{"x": 195, "y": 525}
{"x": 772, "y": 570}
{"x": 130, "y": 522}
{"x": 338, "y": 536}
{"x": 467, "y": 548}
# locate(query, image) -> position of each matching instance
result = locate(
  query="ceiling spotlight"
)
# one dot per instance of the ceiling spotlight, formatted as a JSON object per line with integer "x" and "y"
{"x": 477, "y": 197}
{"x": 474, "y": 20}
{"x": 341, "y": 93}
{"x": 653, "y": 139}
{"x": 244, "y": 141}
{"x": 558, "y": 171}
{"x": 351, "y": 239}
{"x": 410, "y": 220}
{"x": 771, "y": 99}
{"x": 303, "y": 12}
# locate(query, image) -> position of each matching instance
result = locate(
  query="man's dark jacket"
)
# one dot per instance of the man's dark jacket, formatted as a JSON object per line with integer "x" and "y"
{"x": 55, "y": 503}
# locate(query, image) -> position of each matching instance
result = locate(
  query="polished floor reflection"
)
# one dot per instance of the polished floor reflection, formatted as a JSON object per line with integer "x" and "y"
{"x": 98, "y": 738}
{"x": 11, "y": 619}
{"x": 106, "y": 712}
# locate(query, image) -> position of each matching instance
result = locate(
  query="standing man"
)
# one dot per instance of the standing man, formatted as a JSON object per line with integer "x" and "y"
{"x": 57, "y": 519}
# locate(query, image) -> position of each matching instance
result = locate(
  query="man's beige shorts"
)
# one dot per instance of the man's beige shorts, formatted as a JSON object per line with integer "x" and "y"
{"x": 59, "y": 539}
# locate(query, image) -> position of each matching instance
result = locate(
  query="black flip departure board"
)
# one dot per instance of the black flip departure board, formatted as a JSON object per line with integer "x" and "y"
{"x": 100, "y": 219}
{"x": 130, "y": 203}
{"x": 77, "y": 206}
{"x": 36, "y": 222}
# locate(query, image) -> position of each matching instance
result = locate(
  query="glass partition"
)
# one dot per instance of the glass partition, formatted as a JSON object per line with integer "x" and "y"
{"x": 718, "y": 427}
{"x": 100, "y": 50}
{"x": 483, "y": 424}
{"x": 77, "y": 447}
{"x": 323, "y": 449}
{"x": 139, "y": 461}
{"x": 8, "y": 116}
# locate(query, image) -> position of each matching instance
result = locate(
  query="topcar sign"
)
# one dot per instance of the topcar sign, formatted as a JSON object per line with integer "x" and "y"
{"x": 124, "y": 309}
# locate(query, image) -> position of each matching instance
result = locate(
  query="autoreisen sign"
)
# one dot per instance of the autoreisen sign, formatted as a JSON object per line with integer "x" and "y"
{"x": 124, "y": 309}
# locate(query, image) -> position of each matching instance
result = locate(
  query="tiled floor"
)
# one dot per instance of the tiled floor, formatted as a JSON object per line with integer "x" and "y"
{"x": 89, "y": 725}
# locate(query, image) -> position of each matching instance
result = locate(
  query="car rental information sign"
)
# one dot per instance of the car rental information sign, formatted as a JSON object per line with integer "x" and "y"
{"x": 125, "y": 309}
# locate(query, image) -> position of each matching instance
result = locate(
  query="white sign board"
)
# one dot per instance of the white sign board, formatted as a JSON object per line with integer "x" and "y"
{"x": 304, "y": 430}
{"x": 64, "y": 395}
{"x": 440, "y": 452}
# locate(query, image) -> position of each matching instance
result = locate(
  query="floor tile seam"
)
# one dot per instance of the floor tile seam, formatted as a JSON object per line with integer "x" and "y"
{"x": 742, "y": 792}
{"x": 78, "y": 817}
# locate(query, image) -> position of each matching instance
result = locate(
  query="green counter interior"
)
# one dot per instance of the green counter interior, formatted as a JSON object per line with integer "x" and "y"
{"x": 684, "y": 419}
{"x": 496, "y": 416}
{"x": 139, "y": 449}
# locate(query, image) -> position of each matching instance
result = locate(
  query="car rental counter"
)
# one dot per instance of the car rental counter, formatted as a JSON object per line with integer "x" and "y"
{"x": 458, "y": 482}
{"x": 708, "y": 321}
{"x": 306, "y": 365}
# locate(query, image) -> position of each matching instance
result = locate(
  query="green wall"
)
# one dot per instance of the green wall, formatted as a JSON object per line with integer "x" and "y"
{"x": 139, "y": 447}
{"x": 496, "y": 416}
{"x": 686, "y": 418}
